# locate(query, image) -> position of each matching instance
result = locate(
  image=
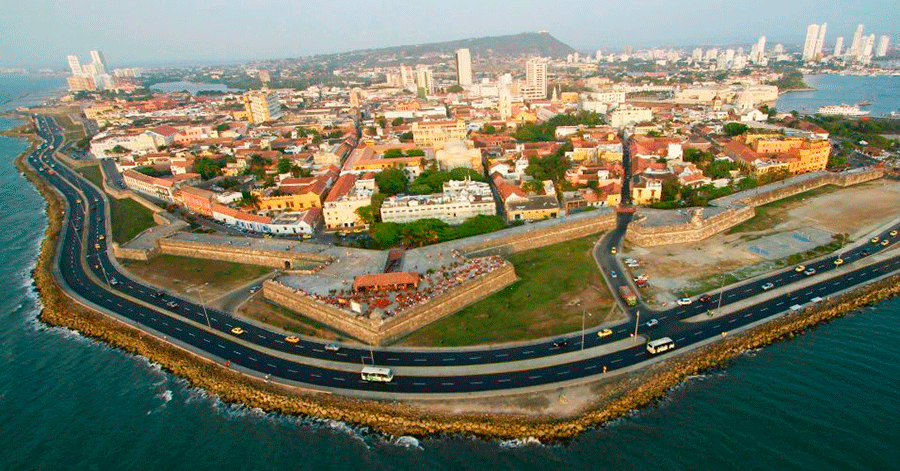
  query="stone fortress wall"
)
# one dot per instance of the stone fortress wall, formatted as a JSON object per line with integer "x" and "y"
{"x": 739, "y": 209}
{"x": 542, "y": 236}
{"x": 233, "y": 253}
{"x": 380, "y": 332}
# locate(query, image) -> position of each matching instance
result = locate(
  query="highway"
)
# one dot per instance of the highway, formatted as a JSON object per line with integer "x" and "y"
{"x": 87, "y": 269}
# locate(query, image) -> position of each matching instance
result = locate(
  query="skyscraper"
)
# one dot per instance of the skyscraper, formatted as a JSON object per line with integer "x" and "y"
{"x": 407, "y": 79}
{"x": 463, "y": 67}
{"x": 882, "y": 46}
{"x": 758, "y": 51}
{"x": 74, "y": 64}
{"x": 536, "y": 74}
{"x": 856, "y": 45}
{"x": 425, "y": 79}
{"x": 838, "y": 45}
{"x": 820, "y": 41}
{"x": 98, "y": 61}
{"x": 809, "y": 45}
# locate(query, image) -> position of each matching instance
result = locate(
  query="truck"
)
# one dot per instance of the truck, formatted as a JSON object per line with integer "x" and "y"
{"x": 628, "y": 295}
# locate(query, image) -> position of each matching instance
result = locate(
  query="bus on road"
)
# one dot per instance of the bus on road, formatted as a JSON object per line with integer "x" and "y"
{"x": 376, "y": 374}
{"x": 628, "y": 295}
{"x": 660, "y": 345}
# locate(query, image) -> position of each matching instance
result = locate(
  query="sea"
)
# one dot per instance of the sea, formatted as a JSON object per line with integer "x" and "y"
{"x": 191, "y": 87}
{"x": 882, "y": 92}
{"x": 825, "y": 400}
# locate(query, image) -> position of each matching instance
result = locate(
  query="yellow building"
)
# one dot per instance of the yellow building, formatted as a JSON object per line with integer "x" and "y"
{"x": 290, "y": 202}
{"x": 261, "y": 106}
{"x": 646, "y": 191}
{"x": 436, "y": 133}
{"x": 533, "y": 208}
{"x": 801, "y": 155}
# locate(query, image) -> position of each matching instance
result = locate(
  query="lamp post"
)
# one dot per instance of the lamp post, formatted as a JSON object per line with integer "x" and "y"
{"x": 637, "y": 322}
{"x": 203, "y": 304}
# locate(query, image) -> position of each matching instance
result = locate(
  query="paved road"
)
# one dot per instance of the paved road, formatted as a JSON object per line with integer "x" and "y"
{"x": 98, "y": 281}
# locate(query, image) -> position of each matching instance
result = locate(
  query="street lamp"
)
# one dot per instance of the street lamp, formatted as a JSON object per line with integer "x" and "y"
{"x": 583, "y": 313}
{"x": 102, "y": 268}
{"x": 637, "y": 322}
{"x": 203, "y": 304}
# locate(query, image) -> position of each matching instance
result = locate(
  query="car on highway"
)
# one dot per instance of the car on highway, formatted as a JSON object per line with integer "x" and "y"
{"x": 101, "y": 237}
{"x": 332, "y": 347}
{"x": 875, "y": 239}
{"x": 604, "y": 333}
{"x": 809, "y": 271}
{"x": 172, "y": 304}
{"x": 885, "y": 242}
{"x": 684, "y": 301}
{"x": 292, "y": 339}
{"x": 560, "y": 343}
{"x": 97, "y": 246}
{"x": 767, "y": 286}
{"x": 652, "y": 323}
{"x": 254, "y": 289}
{"x": 800, "y": 268}
{"x": 704, "y": 298}
{"x": 113, "y": 281}
{"x": 894, "y": 233}
{"x": 237, "y": 330}
{"x": 839, "y": 261}
{"x": 613, "y": 274}
{"x": 613, "y": 250}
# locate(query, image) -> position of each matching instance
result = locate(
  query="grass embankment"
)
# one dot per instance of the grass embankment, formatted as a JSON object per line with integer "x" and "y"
{"x": 556, "y": 283}
{"x": 180, "y": 274}
{"x": 129, "y": 218}
{"x": 770, "y": 215}
{"x": 261, "y": 310}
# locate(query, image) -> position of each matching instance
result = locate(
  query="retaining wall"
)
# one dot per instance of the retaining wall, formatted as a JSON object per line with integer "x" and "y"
{"x": 129, "y": 253}
{"x": 378, "y": 332}
{"x": 230, "y": 253}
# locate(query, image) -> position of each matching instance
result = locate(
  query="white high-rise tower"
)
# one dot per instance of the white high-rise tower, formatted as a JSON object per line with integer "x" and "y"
{"x": 838, "y": 45}
{"x": 856, "y": 45}
{"x": 882, "y": 49}
{"x": 536, "y": 74}
{"x": 75, "y": 65}
{"x": 809, "y": 45}
{"x": 98, "y": 61}
{"x": 463, "y": 67}
{"x": 820, "y": 41}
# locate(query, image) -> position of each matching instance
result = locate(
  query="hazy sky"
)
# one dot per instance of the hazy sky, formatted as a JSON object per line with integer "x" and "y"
{"x": 41, "y": 33}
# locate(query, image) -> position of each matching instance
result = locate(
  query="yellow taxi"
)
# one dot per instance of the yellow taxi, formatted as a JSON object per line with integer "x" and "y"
{"x": 894, "y": 233}
{"x": 875, "y": 239}
{"x": 885, "y": 242}
{"x": 839, "y": 261}
{"x": 237, "y": 331}
{"x": 292, "y": 339}
{"x": 604, "y": 333}
{"x": 613, "y": 250}
{"x": 800, "y": 268}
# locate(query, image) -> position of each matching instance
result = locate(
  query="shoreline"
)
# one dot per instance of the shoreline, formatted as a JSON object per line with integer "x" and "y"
{"x": 399, "y": 417}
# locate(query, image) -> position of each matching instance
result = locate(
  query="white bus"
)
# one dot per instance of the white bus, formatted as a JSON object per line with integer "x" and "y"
{"x": 380, "y": 375}
{"x": 660, "y": 345}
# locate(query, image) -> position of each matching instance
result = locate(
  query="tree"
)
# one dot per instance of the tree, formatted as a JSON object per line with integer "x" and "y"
{"x": 462, "y": 173}
{"x": 284, "y": 165}
{"x": 455, "y": 89}
{"x": 118, "y": 150}
{"x": 735, "y": 129}
{"x": 488, "y": 129}
{"x": 386, "y": 234}
{"x": 397, "y": 122}
{"x": 391, "y": 181}
{"x": 249, "y": 199}
{"x": 670, "y": 189}
{"x": 366, "y": 214}
{"x": 422, "y": 232}
{"x": 222, "y": 127}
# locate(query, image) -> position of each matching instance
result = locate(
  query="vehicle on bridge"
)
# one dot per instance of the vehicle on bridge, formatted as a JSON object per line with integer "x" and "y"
{"x": 376, "y": 374}
{"x": 660, "y": 345}
{"x": 628, "y": 295}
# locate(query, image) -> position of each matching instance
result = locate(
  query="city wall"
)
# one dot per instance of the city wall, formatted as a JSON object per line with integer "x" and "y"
{"x": 228, "y": 253}
{"x": 698, "y": 228}
{"x": 378, "y": 332}
{"x": 543, "y": 236}
{"x": 129, "y": 253}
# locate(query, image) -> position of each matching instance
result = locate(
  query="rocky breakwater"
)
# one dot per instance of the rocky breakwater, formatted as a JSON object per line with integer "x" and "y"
{"x": 394, "y": 417}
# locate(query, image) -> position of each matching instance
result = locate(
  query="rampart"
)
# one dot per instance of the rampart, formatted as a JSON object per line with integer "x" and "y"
{"x": 231, "y": 253}
{"x": 740, "y": 209}
{"x": 380, "y": 332}
{"x": 543, "y": 236}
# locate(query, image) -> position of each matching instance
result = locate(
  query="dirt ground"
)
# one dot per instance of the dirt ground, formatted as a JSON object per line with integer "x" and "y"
{"x": 187, "y": 276}
{"x": 259, "y": 309}
{"x": 793, "y": 226}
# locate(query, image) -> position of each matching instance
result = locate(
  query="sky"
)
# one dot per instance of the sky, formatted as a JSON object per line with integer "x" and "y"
{"x": 40, "y": 33}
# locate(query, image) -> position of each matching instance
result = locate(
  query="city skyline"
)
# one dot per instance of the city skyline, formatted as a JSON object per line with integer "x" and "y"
{"x": 149, "y": 40}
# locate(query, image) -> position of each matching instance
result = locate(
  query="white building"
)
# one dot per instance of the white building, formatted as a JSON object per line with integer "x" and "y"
{"x": 347, "y": 194}
{"x": 425, "y": 79}
{"x": 838, "y": 46}
{"x": 882, "y": 46}
{"x": 456, "y": 154}
{"x": 460, "y": 200}
{"x": 463, "y": 67}
{"x": 627, "y": 115}
{"x": 536, "y": 74}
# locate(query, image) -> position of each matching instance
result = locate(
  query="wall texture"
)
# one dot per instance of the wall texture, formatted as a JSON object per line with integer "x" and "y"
{"x": 232, "y": 253}
{"x": 543, "y": 236}
{"x": 380, "y": 332}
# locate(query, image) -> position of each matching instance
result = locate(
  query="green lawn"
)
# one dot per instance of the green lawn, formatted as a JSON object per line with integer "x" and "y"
{"x": 129, "y": 218}
{"x": 175, "y": 272}
{"x": 769, "y": 215}
{"x": 541, "y": 303}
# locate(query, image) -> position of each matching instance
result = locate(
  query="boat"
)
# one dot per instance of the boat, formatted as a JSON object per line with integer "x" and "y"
{"x": 841, "y": 110}
{"x": 864, "y": 103}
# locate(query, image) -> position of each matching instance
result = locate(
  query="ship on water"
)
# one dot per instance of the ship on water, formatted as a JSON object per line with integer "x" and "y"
{"x": 841, "y": 110}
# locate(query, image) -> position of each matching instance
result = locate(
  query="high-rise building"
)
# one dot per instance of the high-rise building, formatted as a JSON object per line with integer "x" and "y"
{"x": 838, "y": 46}
{"x": 261, "y": 106}
{"x": 809, "y": 45}
{"x": 758, "y": 51}
{"x": 425, "y": 79}
{"x": 867, "y": 49}
{"x": 407, "y": 79}
{"x": 463, "y": 67}
{"x": 856, "y": 46}
{"x": 882, "y": 46}
{"x": 74, "y": 65}
{"x": 820, "y": 41}
{"x": 536, "y": 75}
{"x": 98, "y": 61}
{"x": 697, "y": 54}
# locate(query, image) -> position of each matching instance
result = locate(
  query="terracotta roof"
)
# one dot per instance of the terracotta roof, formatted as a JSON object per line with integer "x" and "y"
{"x": 341, "y": 187}
{"x": 378, "y": 280}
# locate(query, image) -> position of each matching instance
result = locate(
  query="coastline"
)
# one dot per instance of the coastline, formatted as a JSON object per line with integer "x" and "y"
{"x": 806, "y": 89}
{"x": 393, "y": 417}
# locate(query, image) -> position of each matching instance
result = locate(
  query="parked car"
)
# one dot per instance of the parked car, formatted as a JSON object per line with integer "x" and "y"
{"x": 767, "y": 286}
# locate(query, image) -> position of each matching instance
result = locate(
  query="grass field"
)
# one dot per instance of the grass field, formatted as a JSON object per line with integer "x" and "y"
{"x": 281, "y": 317}
{"x": 556, "y": 284}
{"x": 179, "y": 274}
{"x": 770, "y": 215}
{"x": 129, "y": 218}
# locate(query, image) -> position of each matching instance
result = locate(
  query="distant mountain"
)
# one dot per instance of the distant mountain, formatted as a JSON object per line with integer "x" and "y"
{"x": 540, "y": 43}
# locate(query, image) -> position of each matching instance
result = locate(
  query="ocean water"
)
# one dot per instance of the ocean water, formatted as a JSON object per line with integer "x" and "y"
{"x": 826, "y": 400}
{"x": 191, "y": 87}
{"x": 883, "y": 92}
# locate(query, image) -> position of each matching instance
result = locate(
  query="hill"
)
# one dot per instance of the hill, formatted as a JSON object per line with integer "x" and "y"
{"x": 539, "y": 43}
